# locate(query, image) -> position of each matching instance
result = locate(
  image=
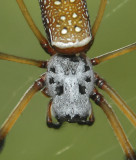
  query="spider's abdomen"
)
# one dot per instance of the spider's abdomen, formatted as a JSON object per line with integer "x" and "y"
{"x": 70, "y": 82}
{"x": 67, "y": 25}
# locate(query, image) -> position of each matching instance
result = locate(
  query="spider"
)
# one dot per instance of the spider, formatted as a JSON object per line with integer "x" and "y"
{"x": 70, "y": 80}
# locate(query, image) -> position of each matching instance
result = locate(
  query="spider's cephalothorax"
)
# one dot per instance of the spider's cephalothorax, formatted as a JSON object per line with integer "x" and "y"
{"x": 70, "y": 82}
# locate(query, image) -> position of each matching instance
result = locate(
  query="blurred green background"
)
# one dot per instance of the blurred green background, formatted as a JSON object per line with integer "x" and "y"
{"x": 30, "y": 138}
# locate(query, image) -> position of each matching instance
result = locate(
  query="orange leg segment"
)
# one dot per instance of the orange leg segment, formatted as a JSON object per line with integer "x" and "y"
{"x": 102, "y": 84}
{"x": 10, "y": 121}
{"x": 113, "y": 54}
{"x": 44, "y": 43}
{"x": 115, "y": 124}
{"x": 41, "y": 64}
{"x": 99, "y": 17}
{"x": 50, "y": 124}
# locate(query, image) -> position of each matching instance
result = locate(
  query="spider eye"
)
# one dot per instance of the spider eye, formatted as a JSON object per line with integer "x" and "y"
{"x": 88, "y": 79}
{"x": 59, "y": 90}
{"x": 82, "y": 89}
{"x": 51, "y": 80}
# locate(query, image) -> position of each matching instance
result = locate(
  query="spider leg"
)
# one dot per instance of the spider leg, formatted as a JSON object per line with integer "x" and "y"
{"x": 44, "y": 43}
{"x": 102, "y": 84}
{"x": 50, "y": 124}
{"x": 45, "y": 93}
{"x": 99, "y": 17}
{"x": 88, "y": 122}
{"x": 113, "y": 54}
{"x": 115, "y": 124}
{"x": 38, "y": 63}
{"x": 14, "y": 115}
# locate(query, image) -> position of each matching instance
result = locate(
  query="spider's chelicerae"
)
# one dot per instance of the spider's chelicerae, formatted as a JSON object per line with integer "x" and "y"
{"x": 70, "y": 81}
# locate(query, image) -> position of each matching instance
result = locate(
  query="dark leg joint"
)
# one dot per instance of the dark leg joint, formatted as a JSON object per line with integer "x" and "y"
{"x": 49, "y": 122}
{"x": 99, "y": 81}
{"x": 89, "y": 122}
{"x": 44, "y": 92}
{"x": 53, "y": 125}
{"x": 94, "y": 61}
{"x": 130, "y": 156}
{"x": 97, "y": 97}
{"x": 43, "y": 64}
{"x": 40, "y": 83}
{"x": 2, "y": 144}
{"x": 48, "y": 49}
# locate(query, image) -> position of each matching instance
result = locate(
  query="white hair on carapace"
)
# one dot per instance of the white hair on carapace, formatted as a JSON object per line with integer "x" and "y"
{"x": 70, "y": 82}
